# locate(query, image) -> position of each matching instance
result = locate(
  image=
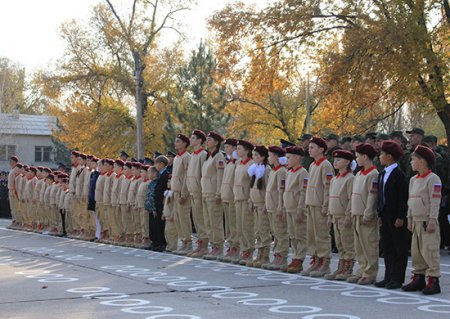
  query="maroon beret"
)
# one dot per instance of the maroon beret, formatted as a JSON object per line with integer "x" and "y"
{"x": 33, "y": 169}
{"x": 46, "y": 169}
{"x": 426, "y": 153}
{"x": 41, "y": 168}
{"x": 51, "y": 176}
{"x": 297, "y": 150}
{"x": 319, "y": 142}
{"x": 277, "y": 150}
{"x": 366, "y": 149}
{"x": 261, "y": 150}
{"x": 128, "y": 164}
{"x": 231, "y": 141}
{"x": 89, "y": 157}
{"x": 119, "y": 162}
{"x": 83, "y": 156}
{"x": 19, "y": 165}
{"x": 76, "y": 153}
{"x": 246, "y": 144}
{"x": 108, "y": 161}
{"x": 215, "y": 136}
{"x": 184, "y": 138}
{"x": 26, "y": 167}
{"x": 14, "y": 158}
{"x": 146, "y": 167}
{"x": 344, "y": 154}
{"x": 200, "y": 134}
{"x": 393, "y": 148}
{"x": 95, "y": 158}
{"x": 136, "y": 164}
{"x": 61, "y": 175}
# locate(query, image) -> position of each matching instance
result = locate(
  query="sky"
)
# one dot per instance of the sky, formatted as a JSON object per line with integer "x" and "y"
{"x": 29, "y": 28}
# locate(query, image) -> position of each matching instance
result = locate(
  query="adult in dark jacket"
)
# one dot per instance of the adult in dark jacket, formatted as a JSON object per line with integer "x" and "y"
{"x": 157, "y": 223}
{"x": 392, "y": 210}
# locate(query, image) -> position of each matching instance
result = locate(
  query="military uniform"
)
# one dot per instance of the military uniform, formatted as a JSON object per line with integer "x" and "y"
{"x": 211, "y": 182}
{"x": 135, "y": 213}
{"x": 194, "y": 187}
{"x": 125, "y": 209}
{"x": 100, "y": 208}
{"x": 109, "y": 178}
{"x": 182, "y": 211}
{"x": 144, "y": 221}
{"x": 116, "y": 214}
{"x": 12, "y": 194}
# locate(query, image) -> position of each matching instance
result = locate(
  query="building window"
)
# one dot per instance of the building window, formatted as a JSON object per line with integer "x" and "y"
{"x": 42, "y": 153}
{"x": 6, "y": 151}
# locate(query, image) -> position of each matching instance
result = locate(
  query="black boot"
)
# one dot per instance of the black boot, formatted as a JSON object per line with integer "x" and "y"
{"x": 417, "y": 283}
{"x": 432, "y": 286}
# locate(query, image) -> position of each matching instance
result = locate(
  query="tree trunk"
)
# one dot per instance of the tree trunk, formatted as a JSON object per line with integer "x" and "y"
{"x": 139, "y": 85}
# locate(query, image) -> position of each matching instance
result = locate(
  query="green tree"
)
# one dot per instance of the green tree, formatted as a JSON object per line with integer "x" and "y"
{"x": 198, "y": 101}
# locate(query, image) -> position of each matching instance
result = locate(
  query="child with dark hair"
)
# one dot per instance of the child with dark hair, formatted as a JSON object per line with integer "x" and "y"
{"x": 259, "y": 174}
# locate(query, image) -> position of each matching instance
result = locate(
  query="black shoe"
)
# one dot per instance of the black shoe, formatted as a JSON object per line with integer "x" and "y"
{"x": 161, "y": 248}
{"x": 417, "y": 283}
{"x": 432, "y": 286}
{"x": 393, "y": 285}
{"x": 381, "y": 283}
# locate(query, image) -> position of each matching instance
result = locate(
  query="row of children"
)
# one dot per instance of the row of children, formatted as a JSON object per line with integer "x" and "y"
{"x": 264, "y": 192}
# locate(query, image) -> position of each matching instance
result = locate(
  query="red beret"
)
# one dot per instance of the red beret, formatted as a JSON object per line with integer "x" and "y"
{"x": 215, "y": 136}
{"x": 95, "y": 158}
{"x": 41, "y": 168}
{"x": 14, "y": 158}
{"x": 83, "y": 156}
{"x": 184, "y": 138}
{"x": 200, "y": 134}
{"x": 61, "y": 175}
{"x": 19, "y": 165}
{"x": 128, "y": 164}
{"x": 89, "y": 157}
{"x": 366, "y": 149}
{"x": 26, "y": 167}
{"x": 426, "y": 153}
{"x": 277, "y": 150}
{"x": 146, "y": 167}
{"x": 74, "y": 153}
{"x": 319, "y": 142}
{"x": 261, "y": 150}
{"x": 393, "y": 148}
{"x": 119, "y": 162}
{"x": 231, "y": 141}
{"x": 51, "y": 176}
{"x": 297, "y": 150}
{"x": 33, "y": 169}
{"x": 344, "y": 154}
{"x": 246, "y": 144}
{"x": 46, "y": 169}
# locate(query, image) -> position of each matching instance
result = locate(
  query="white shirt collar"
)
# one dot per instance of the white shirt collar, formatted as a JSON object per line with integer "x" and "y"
{"x": 390, "y": 168}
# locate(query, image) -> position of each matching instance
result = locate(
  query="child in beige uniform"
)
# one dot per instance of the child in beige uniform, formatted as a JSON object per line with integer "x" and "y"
{"x": 340, "y": 214}
{"x": 125, "y": 212}
{"x": 274, "y": 206}
{"x": 143, "y": 239}
{"x": 227, "y": 197}
{"x": 365, "y": 216}
{"x": 295, "y": 207}
{"x": 109, "y": 178}
{"x": 211, "y": 182}
{"x": 244, "y": 217}
{"x": 115, "y": 216}
{"x": 317, "y": 196}
{"x": 423, "y": 211}
{"x": 181, "y": 201}
{"x": 194, "y": 187}
{"x": 259, "y": 172}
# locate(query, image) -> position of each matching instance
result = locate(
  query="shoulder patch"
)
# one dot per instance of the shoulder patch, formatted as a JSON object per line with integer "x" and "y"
{"x": 437, "y": 188}
{"x": 329, "y": 176}
{"x": 374, "y": 187}
{"x": 220, "y": 164}
{"x": 305, "y": 182}
{"x": 283, "y": 184}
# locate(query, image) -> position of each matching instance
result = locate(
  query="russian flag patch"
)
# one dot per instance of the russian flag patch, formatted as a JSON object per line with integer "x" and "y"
{"x": 305, "y": 182}
{"x": 329, "y": 176}
{"x": 374, "y": 187}
{"x": 437, "y": 188}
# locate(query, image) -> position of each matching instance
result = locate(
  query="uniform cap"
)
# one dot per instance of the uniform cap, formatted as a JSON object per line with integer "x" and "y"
{"x": 231, "y": 141}
{"x": 416, "y": 130}
{"x": 426, "y": 153}
{"x": 200, "y": 134}
{"x": 184, "y": 138}
{"x": 277, "y": 150}
{"x": 332, "y": 136}
{"x": 119, "y": 162}
{"x": 305, "y": 137}
{"x": 320, "y": 142}
{"x": 215, "y": 136}
{"x": 246, "y": 144}
{"x": 344, "y": 154}
{"x": 285, "y": 143}
{"x": 393, "y": 148}
{"x": 297, "y": 150}
{"x": 14, "y": 158}
{"x": 261, "y": 150}
{"x": 366, "y": 149}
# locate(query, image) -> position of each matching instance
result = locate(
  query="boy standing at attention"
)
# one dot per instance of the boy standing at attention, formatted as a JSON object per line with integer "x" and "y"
{"x": 364, "y": 215}
{"x": 317, "y": 195}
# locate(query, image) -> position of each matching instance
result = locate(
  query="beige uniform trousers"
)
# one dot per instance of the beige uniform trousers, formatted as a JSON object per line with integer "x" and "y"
{"x": 136, "y": 212}
{"x": 297, "y": 234}
{"x": 214, "y": 220}
{"x": 145, "y": 222}
{"x": 319, "y": 238}
{"x": 107, "y": 208}
{"x": 230, "y": 224}
{"x": 425, "y": 250}
{"x": 280, "y": 233}
{"x": 127, "y": 220}
{"x": 245, "y": 224}
{"x": 262, "y": 227}
{"x": 13, "y": 202}
{"x": 366, "y": 247}
{"x": 345, "y": 239}
{"x": 200, "y": 217}
{"x": 182, "y": 218}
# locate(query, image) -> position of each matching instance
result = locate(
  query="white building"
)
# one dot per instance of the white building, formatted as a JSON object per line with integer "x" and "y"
{"x": 28, "y": 137}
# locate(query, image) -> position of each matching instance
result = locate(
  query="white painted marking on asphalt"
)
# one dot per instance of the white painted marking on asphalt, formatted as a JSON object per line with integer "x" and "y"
{"x": 295, "y": 309}
{"x": 403, "y": 300}
{"x": 262, "y": 302}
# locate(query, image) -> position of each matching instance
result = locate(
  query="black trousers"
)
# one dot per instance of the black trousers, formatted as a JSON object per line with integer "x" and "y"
{"x": 156, "y": 229}
{"x": 395, "y": 249}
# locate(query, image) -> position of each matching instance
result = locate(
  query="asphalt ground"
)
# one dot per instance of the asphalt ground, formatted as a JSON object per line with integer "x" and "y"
{"x": 49, "y": 277}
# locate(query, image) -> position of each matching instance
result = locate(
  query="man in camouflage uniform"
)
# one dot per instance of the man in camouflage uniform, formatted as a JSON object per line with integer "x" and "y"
{"x": 333, "y": 145}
